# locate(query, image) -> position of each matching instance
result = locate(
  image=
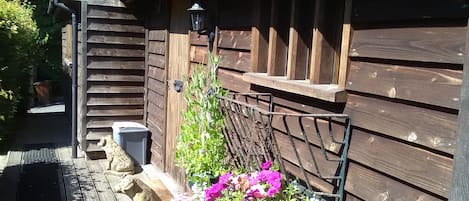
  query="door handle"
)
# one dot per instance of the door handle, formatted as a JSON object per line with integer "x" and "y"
{"x": 178, "y": 85}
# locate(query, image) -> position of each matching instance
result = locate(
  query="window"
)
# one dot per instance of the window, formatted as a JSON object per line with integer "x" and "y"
{"x": 299, "y": 48}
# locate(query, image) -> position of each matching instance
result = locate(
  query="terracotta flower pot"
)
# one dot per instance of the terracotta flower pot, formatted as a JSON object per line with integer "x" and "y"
{"x": 42, "y": 92}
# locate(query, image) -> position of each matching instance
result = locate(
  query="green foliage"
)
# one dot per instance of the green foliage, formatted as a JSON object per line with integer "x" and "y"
{"x": 49, "y": 67}
{"x": 201, "y": 143}
{"x": 19, "y": 37}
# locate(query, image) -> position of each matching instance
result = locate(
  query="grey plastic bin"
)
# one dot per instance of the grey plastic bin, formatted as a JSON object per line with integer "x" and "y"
{"x": 132, "y": 137}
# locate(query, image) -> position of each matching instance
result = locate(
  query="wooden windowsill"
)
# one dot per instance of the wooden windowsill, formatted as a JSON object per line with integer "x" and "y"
{"x": 327, "y": 92}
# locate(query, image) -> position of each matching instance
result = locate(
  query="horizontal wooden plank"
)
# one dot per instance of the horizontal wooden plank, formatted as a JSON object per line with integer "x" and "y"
{"x": 115, "y": 39}
{"x": 198, "y": 39}
{"x": 300, "y": 102}
{"x": 125, "y": 28}
{"x": 115, "y": 13}
{"x": 235, "y": 60}
{"x": 159, "y": 35}
{"x": 233, "y": 80}
{"x": 198, "y": 54}
{"x": 156, "y": 99}
{"x": 97, "y": 134}
{"x": 421, "y": 168}
{"x": 433, "y": 86}
{"x": 115, "y": 52}
{"x": 431, "y": 128}
{"x": 157, "y": 60}
{"x": 427, "y": 44}
{"x": 156, "y": 127}
{"x": 106, "y": 122}
{"x": 157, "y": 47}
{"x": 327, "y": 92}
{"x": 113, "y": 100}
{"x": 370, "y": 185}
{"x": 287, "y": 150}
{"x": 156, "y": 86}
{"x": 106, "y": 3}
{"x": 365, "y": 11}
{"x": 155, "y": 112}
{"x": 234, "y": 39}
{"x": 157, "y": 73}
{"x": 115, "y": 112}
{"x": 156, "y": 121}
{"x": 97, "y": 63}
{"x": 105, "y": 89}
{"x": 115, "y": 76}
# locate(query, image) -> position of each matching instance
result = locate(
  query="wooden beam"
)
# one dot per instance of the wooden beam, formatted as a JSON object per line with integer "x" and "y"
{"x": 460, "y": 183}
{"x": 259, "y": 34}
{"x": 292, "y": 44}
{"x": 327, "y": 92}
{"x": 145, "y": 88}
{"x": 344, "y": 50}
{"x": 299, "y": 45}
{"x": 277, "y": 51}
{"x": 317, "y": 68}
{"x": 82, "y": 81}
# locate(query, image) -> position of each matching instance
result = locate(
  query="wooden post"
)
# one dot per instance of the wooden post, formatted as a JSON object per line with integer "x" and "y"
{"x": 145, "y": 88}
{"x": 258, "y": 36}
{"x": 344, "y": 50}
{"x": 460, "y": 184}
{"x": 82, "y": 81}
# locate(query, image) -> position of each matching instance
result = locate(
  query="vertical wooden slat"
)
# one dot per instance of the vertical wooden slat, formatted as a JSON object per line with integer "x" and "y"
{"x": 460, "y": 183}
{"x": 292, "y": 44}
{"x": 259, "y": 42}
{"x": 344, "y": 50}
{"x": 318, "y": 38}
{"x": 277, "y": 52}
{"x": 299, "y": 40}
{"x": 82, "y": 79}
{"x": 145, "y": 97}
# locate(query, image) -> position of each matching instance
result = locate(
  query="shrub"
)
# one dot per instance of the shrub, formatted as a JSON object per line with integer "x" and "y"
{"x": 18, "y": 41}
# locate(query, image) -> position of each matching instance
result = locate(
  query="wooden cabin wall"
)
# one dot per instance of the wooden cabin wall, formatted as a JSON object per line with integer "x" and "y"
{"x": 403, "y": 83}
{"x": 156, "y": 43}
{"x": 114, "y": 44}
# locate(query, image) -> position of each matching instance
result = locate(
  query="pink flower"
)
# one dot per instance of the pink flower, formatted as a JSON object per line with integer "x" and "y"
{"x": 225, "y": 178}
{"x": 214, "y": 192}
{"x": 266, "y": 165}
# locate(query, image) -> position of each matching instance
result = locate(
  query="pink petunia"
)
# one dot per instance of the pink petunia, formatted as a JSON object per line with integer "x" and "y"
{"x": 266, "y": 165}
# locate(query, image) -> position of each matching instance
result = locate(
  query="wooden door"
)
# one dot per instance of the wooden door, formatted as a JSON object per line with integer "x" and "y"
{"x": 178, "y": 67}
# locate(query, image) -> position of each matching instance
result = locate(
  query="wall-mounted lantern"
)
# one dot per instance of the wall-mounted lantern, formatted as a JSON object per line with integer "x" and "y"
{"x": 198, "y": 19}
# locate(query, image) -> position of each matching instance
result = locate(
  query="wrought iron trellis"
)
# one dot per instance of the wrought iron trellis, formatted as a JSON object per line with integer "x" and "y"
{"x": 256, "y": 133}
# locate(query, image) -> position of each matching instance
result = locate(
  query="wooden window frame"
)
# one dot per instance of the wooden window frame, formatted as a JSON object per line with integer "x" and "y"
{"x": 328, "y": 86}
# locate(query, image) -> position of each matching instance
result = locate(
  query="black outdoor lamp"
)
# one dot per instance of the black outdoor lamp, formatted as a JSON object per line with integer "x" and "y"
{"x": 199, "y": 20}
{"x": 197, "y": 14}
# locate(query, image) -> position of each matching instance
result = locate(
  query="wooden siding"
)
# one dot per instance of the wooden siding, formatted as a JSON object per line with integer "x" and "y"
{"x": 156, "y": 46}
{"x": 115, "y": 69}
{"x": 403, "y": 99}
{"x": 156, "y": 93}
{"x": 404, "y": 79}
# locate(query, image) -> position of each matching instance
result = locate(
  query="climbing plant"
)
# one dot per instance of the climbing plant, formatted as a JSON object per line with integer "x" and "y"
{"x": 200, "y": 147}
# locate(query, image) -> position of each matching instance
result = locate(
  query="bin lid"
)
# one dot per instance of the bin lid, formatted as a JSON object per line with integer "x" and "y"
{"x": 127, "y": 126}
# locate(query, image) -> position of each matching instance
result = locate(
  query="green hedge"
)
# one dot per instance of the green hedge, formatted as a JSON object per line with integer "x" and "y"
{"x": 19, "y": 43}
